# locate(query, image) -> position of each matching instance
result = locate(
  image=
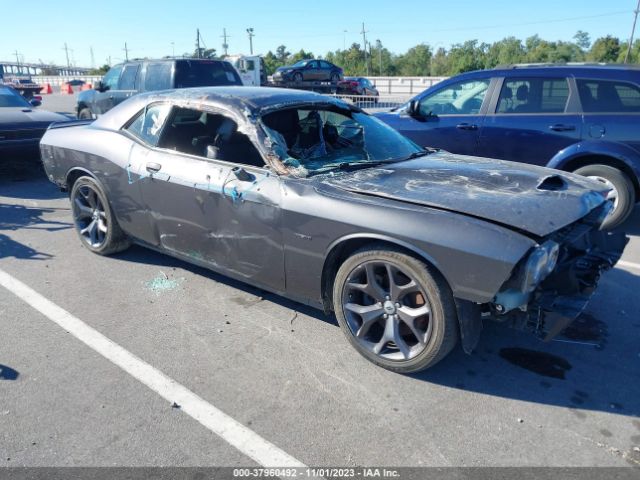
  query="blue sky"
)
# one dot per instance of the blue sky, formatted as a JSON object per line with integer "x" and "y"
{"x": 149, "y": 28}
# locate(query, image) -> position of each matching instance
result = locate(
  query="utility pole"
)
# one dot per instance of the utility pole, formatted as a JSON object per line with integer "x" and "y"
{"x": 126, "y": 52}
{"x": 225, "y": 45}
{"x": 379, "y": 45}
{"x": 251, "y": 35}
{"x": 633, "y": 29}
{"x": 17, "y": 57}
{"x": 198, "y": 51}
{"x": 66, "y": 51}
{"x": 93, "y": 58}
{"x": 344, "y": 40}
{"x": 364, "y": 44}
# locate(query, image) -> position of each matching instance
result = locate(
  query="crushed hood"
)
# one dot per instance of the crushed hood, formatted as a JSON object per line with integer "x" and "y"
{"x": 534, "y": 199}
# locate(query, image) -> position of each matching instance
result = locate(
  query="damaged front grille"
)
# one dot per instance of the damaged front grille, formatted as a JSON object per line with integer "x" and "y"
{"x": 585, "y": 252}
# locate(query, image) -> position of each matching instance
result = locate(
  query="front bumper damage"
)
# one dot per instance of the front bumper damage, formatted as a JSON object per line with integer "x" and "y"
{"x": 563, "y": 296}
{"x": 585, "y": 253}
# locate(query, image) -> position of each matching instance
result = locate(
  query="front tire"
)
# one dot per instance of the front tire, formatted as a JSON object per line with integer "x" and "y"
{"x": 94, "y": 220}
{"x": 622, "y": 192}
{"x": 85, "y": 114}
{"x": 397, "y": 311}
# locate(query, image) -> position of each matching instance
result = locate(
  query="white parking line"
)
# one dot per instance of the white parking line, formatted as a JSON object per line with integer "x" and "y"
{"x": 244, "y": 439}
{"x": 622, "y": 263}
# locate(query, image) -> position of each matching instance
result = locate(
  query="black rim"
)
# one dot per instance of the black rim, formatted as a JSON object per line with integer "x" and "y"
{"x": 89, "y": 216}
{"x": 387, "y": 311}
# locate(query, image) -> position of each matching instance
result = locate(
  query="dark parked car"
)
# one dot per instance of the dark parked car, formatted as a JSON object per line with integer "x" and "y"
{"x": 578, "y": 118}
{"x": 22, "y": 127}
{"x": 358, "y": 86}
{"x": 308, "y": 197}
{"x": 128, "y": 79}
{"x": 308, "y": 70}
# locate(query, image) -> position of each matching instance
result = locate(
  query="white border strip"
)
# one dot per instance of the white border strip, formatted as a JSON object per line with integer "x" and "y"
{"x": 242, "y": 438}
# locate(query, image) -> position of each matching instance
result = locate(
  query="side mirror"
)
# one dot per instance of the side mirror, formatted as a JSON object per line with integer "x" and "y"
{"x": 413, "y": 110}
{"x": 35, "y": 102}
{"x": 100, "y": 87}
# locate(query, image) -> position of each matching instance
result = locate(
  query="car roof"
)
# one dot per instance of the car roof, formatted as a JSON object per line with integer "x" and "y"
{"x": 243, "y": 101}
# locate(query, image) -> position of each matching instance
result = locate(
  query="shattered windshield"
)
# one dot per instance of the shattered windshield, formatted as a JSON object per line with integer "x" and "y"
{"x": 313, "y": 140}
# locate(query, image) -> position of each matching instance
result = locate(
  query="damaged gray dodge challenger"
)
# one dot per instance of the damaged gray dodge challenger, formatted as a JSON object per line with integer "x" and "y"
{"x": 308, "y": 197}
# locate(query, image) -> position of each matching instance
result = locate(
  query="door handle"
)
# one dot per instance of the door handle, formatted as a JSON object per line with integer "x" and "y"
{"x": 559, "y": 127}
{"x": 153, "y": 167}
{"x": 466, "y": 126}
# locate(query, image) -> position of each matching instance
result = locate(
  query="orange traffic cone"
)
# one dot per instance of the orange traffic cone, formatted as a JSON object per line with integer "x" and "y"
{"x": 66, "y": 89}
{"x": 86, "y": 86}
{"x": 46, "y": 89}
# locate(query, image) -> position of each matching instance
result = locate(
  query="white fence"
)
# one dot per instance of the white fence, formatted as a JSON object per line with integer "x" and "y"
{"x": 404, "y": 87}
{"x": 56, "y": 81}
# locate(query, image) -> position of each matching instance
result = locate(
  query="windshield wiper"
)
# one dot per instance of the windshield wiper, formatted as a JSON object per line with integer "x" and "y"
{"x": 348, "y": 166}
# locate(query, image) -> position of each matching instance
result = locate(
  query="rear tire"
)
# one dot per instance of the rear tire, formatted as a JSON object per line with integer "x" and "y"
{"x": 335, "y": 78}
{"x": 94, "y": 220}
{"x": 623, "y": 193}
{"x": 85, "y": 114}
{"x": 421, "y": 323}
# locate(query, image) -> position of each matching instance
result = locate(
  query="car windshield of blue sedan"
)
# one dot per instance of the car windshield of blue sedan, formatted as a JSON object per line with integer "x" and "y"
{"x": 310, "y": 140}
{"x": 300, "y": 64}
{"x": 9, "y": 98}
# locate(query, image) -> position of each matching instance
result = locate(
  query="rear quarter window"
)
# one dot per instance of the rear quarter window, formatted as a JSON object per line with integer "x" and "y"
{"x": 205, "y": 74}
{"x": 598, "y": 96}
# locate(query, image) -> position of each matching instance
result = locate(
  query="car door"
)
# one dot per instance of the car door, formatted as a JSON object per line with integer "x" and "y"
{"x": 312, "y": 71}
{"x": 126, "y": 84}
{"x": 530, "y": 119}
{"x": 220, "y": 212}
{"x": 104, "y": 101}
{"x": 449, "y": 117}
{"x": 611, "y": 110}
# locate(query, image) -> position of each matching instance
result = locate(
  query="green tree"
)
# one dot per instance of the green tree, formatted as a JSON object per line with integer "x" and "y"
{"x": 582, "y": 40}
{"x": 466, "y": 56}
{"x": 301, "y": 55}
{"x": 507, "y": 51}
{"x": 282, "y": 54}
{"x": 605, "y": 49}
{"x": 439, "y": 65}
{"x": 416, "y": 62}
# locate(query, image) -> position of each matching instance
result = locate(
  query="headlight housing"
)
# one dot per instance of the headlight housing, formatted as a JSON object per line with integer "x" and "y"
{"x": 540, "y": 264}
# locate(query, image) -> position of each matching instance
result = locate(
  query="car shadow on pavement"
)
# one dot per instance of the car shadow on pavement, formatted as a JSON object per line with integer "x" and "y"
{"x": 17, "y": 217}
{"x": 147, "y": 256}
{"x": 593, "y": 365}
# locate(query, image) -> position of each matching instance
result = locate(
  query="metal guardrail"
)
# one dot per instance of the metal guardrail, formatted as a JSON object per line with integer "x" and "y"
{"x": 373, "y": 103}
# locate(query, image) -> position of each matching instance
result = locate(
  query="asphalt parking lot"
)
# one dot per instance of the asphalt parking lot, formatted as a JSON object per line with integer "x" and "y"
{"x": 283, "y": 371}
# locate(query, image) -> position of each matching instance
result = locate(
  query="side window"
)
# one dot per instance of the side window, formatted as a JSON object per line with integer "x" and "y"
{"x": 325, "y": 65}
{"x": 313, "y": 65}
{"x": 533, "y": 95}
{"x": 128, "y": 77}
{"x": 208, "y": 135}
{"x": 608, "y": 96}
{"x": 148, "y": 123}
{"x": 111, "y": 77}
{"x": 158, "y": 76}
{"x": 464, "y": 98}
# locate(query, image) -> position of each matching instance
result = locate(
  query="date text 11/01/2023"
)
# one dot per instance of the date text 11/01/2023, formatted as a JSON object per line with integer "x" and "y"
{"x": 308, "y": 472}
